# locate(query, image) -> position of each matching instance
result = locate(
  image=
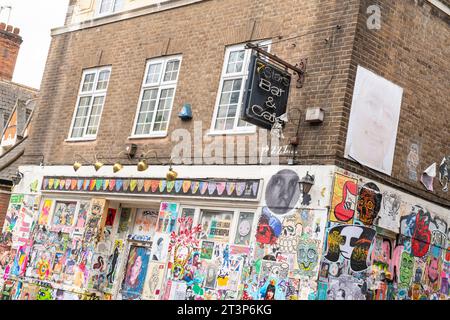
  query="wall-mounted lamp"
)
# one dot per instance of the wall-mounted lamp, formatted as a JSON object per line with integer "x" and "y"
{"x": 306, "y": 183}
{"x": 98, "y": 164}
{"x": 172, "y": 175}
{"x": 143, "y": 165}
{"x": 17, "y": 177}
{"x": 77, "y": 164}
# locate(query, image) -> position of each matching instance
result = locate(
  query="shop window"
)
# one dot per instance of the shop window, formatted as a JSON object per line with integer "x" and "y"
{"x": 244, "y": 228}
{"x": 156, "y": 98}
{"x": 227, "y": 111}
{"x": 64, "y": 213}
{"x": 216, "y": 225}
{"x": 91, "y": 98}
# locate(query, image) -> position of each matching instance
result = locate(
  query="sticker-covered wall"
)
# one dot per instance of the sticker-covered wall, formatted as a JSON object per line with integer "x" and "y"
{"x": 347, "y": 238}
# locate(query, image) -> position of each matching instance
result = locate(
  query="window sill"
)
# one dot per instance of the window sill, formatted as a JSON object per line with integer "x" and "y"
{"x": 152, "y": 136}
{"x": 230, "y": 133}
{"x": 70, "y": 140}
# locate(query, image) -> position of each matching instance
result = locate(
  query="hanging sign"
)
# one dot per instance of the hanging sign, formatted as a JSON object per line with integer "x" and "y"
{"x": 266, "y": 95}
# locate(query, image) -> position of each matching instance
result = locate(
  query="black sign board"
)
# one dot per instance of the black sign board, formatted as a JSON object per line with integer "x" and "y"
{"x": 266, "y": 95}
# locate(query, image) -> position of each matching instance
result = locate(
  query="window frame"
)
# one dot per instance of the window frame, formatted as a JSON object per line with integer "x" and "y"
{"x": 94, "y": 93}
{"x": 160, "y": 86}
{"x": 224, "y": 76}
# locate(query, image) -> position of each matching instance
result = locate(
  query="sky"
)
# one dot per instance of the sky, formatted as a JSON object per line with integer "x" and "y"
{"x": 35, "y": 18}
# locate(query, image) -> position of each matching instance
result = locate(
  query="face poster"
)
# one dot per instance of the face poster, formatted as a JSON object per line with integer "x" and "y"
{"x": 372, "y": 128}
{"x": 153, "y": 287}
{"x": 283, "y": 192}
{"x": 145, "y": 222}
{"x": 135, "y": 272}
{"x": 160, "y": 247}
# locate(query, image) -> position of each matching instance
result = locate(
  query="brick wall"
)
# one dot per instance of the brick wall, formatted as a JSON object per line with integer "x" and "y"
{"x": 411, "y": 49}
{"x": 201, "y": 31}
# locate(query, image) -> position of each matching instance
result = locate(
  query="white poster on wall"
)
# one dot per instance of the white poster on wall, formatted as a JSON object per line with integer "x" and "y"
{"x": 373, "y": 124}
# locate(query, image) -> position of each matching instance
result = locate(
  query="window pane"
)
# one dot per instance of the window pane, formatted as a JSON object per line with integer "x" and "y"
{"x": 164, "y": 107}
{"x": 117, "y": 5}
{"x": 236, "y": 61}
{"x": 227, "y": 110}
{"x": 95, "y": 116}
{"x": 105, "y": 6}
{"x": 80, "y": 117}
{"x": 88, "y": 82}
{"x": 146, "y": 111}
{"x": 103, "y": 79}
{"x": 172, "y": 70}
{"x": 153, "y": 73}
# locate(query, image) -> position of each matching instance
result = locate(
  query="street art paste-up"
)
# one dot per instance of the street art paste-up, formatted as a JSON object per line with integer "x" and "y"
{"x": 415, "y": 228}
{"x": 145, "y": 222}
{"x": 343, "y": 203}
{"x": 206, "y": 251}
{"x": 167, "y": 218}
{"x": 345, "y": 288}
{"x": 412, "y": 161}
{"x": 64, "y": 213}
{"x": 282, "y": 192}
{"x": 83, "y": 210}
{"x": 111, "y": 215}
{"x": 154, "y": 283}
{"x": 269, "y": 228}
{"x": 135, "y": 272}
{"x": 406, "y": 270}
{"x": 352, "y": 242}
{"x": 389, "y": 215}
{"x": 308, "y": 256}
{"x": 427, "y": 177}
{"x": 124, "y": 220}
{"x": 292, "y": 229}
{"x": 369, "y": 203}
{"x": 113, "y": 263}
{"x": 160, "y": 246}
{"x": 45, "y": 212}
{"x": 444, "y": 173}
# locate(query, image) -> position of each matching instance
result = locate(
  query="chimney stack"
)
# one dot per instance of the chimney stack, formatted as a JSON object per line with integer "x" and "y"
{"x": 10, "y": 42}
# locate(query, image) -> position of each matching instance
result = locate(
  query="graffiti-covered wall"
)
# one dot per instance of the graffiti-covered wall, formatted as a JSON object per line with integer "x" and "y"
{"x": 257, "y": 237}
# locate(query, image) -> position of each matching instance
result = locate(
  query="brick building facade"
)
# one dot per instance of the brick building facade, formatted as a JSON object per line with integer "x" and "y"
{"x": 338, "y": 39}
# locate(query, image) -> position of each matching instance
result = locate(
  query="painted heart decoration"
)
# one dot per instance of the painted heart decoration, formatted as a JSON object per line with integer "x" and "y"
{"x": 140, "y": 185}
{"x": 221, "y": 187}
{"x": 62, "y": 183}
{"x": 92, "y": 184}
{"x": 74, "y": 184}
{"x": 211, "y": 187}
{"x": 133, "y": 185}
{"x": 203, "y": 187}
{"x": 50, "y": 183}
{"x": 112, "y": 184}
{"x": 240, "y": 188}
{"x": 68, "y": 183}
{"x": 230, "y": 187}
{"x": 178, "y": 185}
{"x": 56, "y": 184}
{"x": 186, "y": 186}
{"x": 162, "y": 185}
{"x": 80, "y": 184}
{"x": 194, "y": 186}
{"x": 170, "y": 185}
{"x": 86, "y": 184}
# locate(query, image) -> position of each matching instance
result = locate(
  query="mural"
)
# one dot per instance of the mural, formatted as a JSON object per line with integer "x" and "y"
{"x": 373, "y": 243}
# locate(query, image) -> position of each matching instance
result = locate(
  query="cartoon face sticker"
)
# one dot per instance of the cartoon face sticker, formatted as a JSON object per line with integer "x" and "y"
{"x": 369, "y": 203}
{"x": 307, "y": 256}
{"x": 406, "y": 269}
{"x": 349, "y": 235}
